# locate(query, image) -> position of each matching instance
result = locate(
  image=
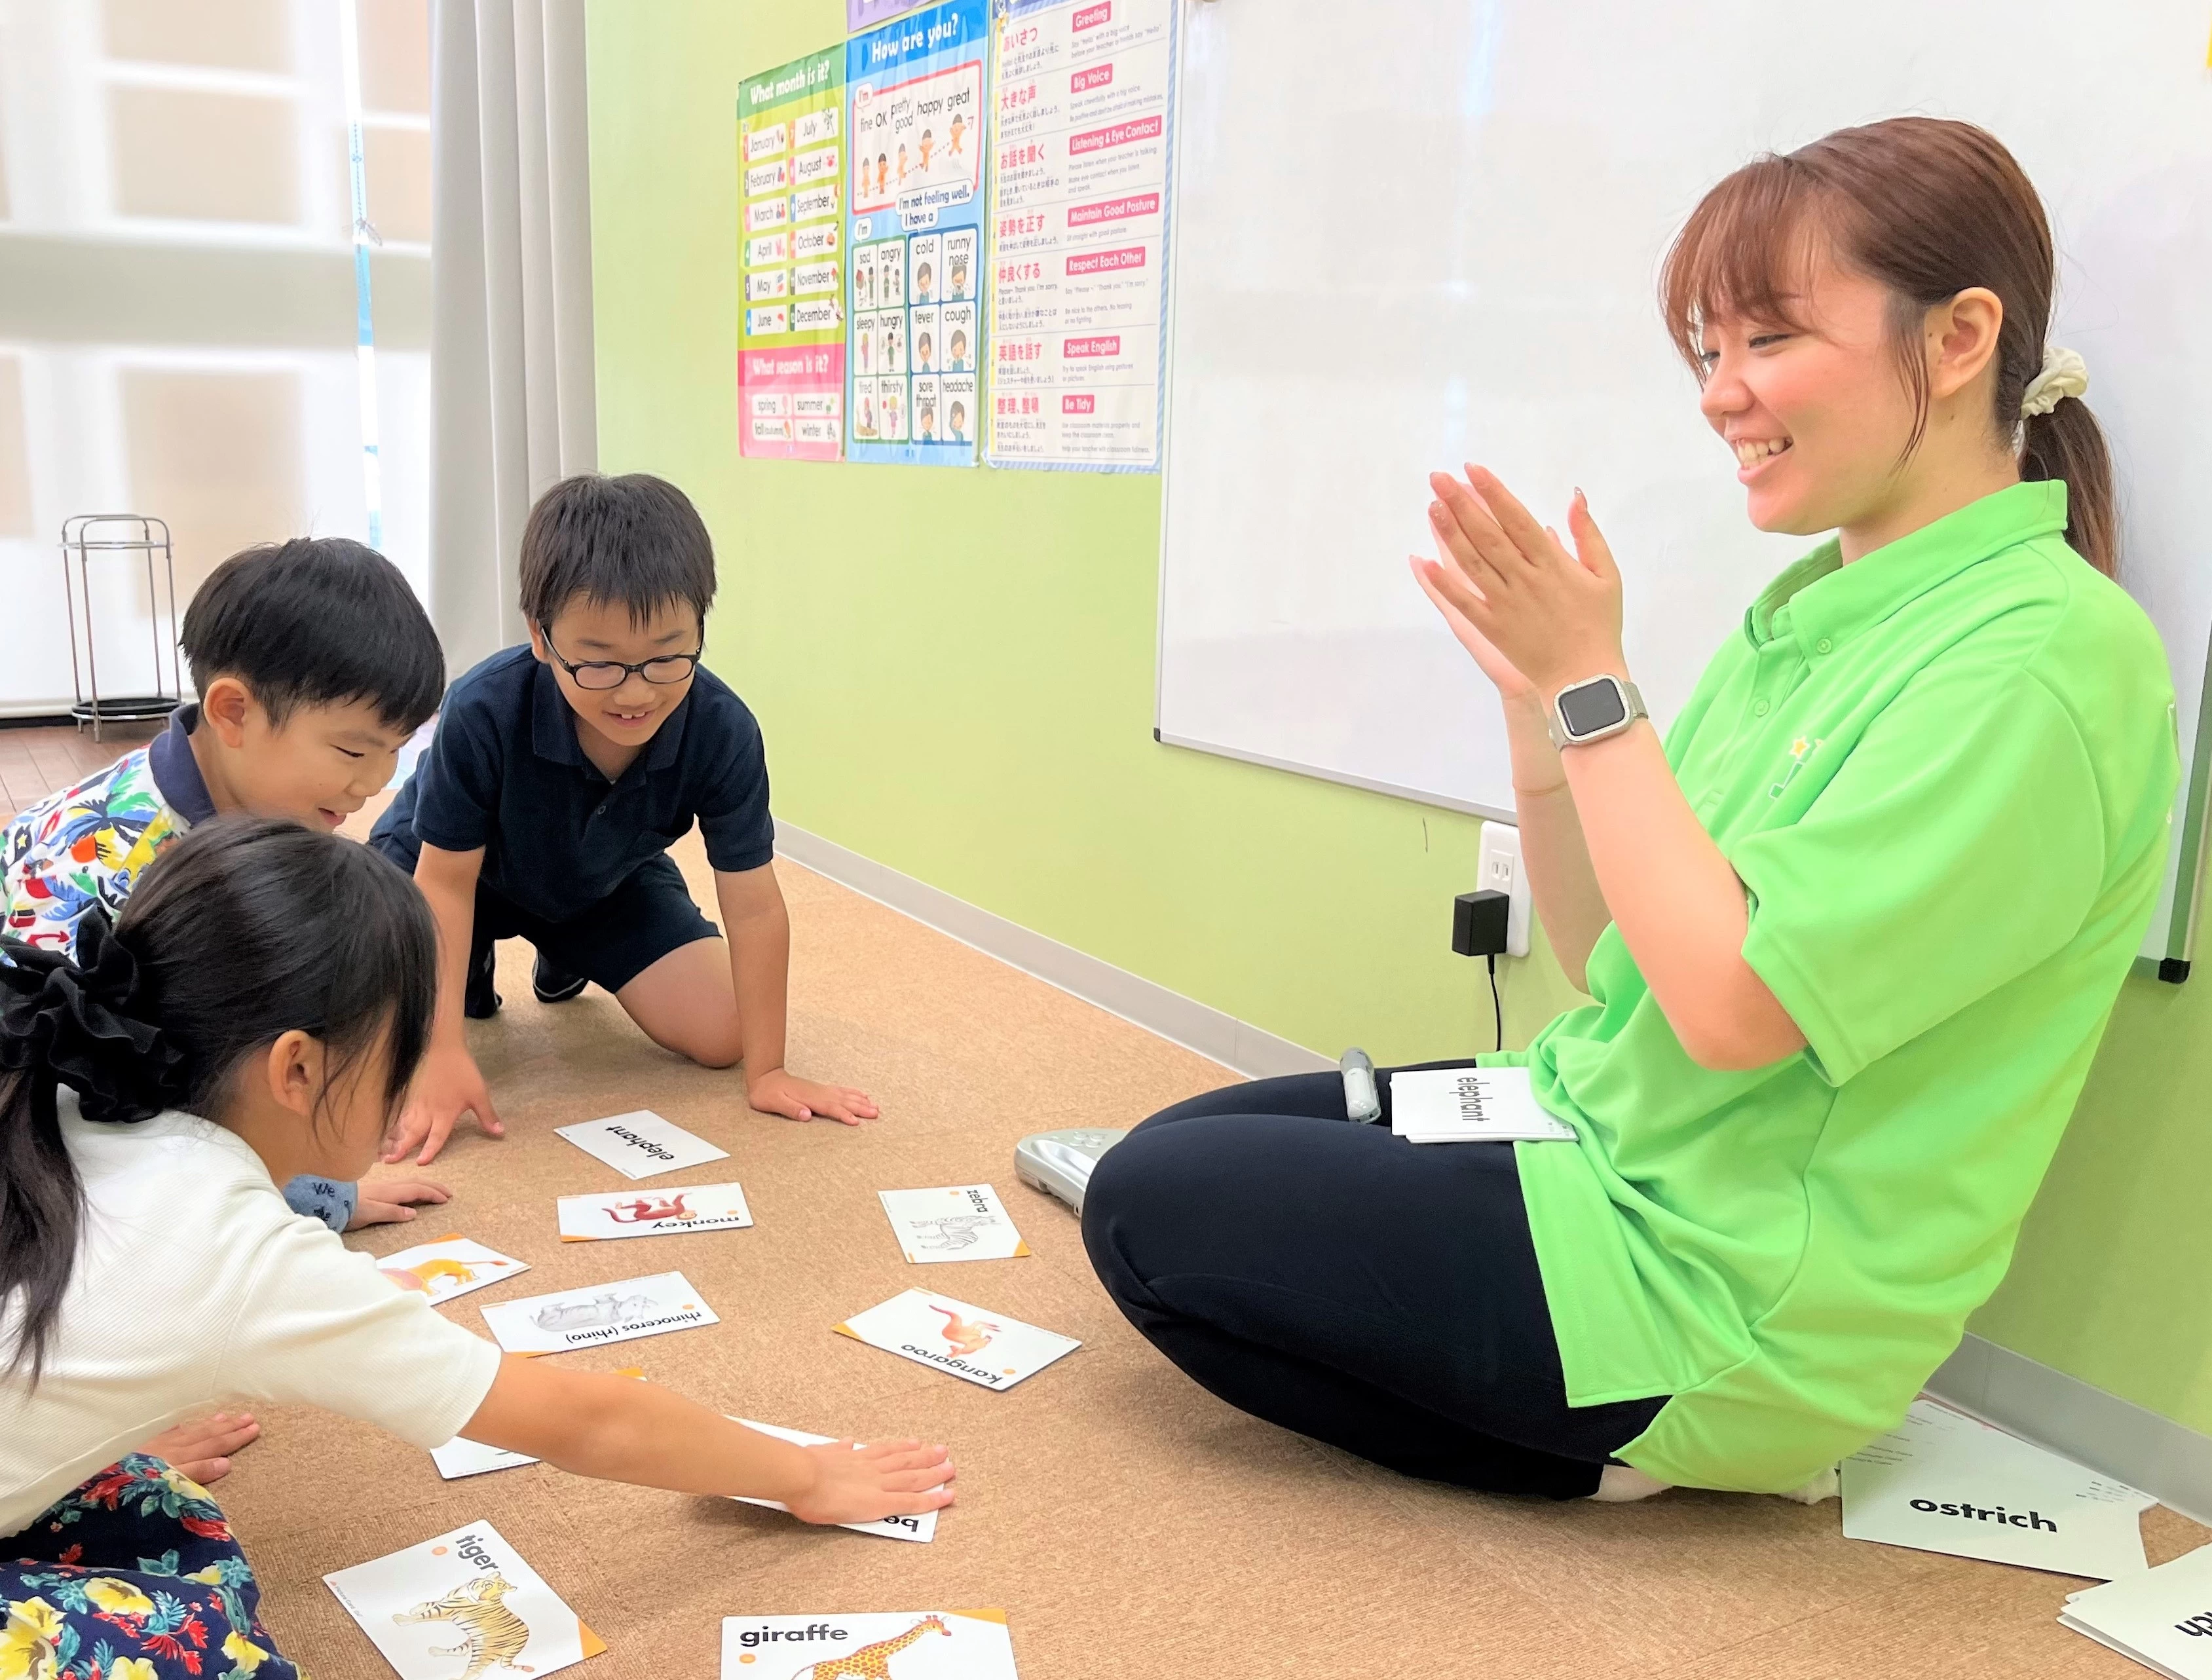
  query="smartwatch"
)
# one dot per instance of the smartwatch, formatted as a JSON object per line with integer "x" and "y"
{"x": 1592, "y": 710}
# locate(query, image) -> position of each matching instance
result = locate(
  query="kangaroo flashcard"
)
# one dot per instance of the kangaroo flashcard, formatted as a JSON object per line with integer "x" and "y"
{"x": 922, "y": 1528}
{"x": 966, "y": 1222}
{"x": 907, "y": 1645}
{"x": 448, "y": 1267}
{"x": 462, "y": 1457}
{"x": 461, "y": 1605}
{"x": 640, "y": 1145}
{"x": 653, "y": 1213}
{"x": 603, "y": 1312}
{"x": 988, "y": 1349}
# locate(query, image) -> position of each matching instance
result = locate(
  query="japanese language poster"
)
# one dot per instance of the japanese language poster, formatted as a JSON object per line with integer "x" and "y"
{"x": 1079, "y": 171}
{"x": 916, "y": 107}
{"x": 791, "y": 337}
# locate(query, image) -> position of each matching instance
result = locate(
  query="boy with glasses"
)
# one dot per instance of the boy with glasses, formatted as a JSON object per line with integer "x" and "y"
{"x": 561, "y": 774}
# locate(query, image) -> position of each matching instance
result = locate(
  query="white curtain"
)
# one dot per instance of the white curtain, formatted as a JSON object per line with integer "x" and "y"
{"x": 511, "y": 403}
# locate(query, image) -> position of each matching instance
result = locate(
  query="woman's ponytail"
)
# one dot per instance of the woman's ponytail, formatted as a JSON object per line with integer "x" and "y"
{"x": 2067, "y": 443}
{"x": 245, "y": 929}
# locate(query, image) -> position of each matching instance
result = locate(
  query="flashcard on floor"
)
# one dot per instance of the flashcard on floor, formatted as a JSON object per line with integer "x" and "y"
{"x": 1945, "y": 1482}
{"x": 1471, "y": 1106}
{"x": 604, "y": 1313}
{"x": 2161, "y": 1618}
{"x": 462, "y": 1457}
{"x": 906, "y": 1645}
{"x": 986, "y": 1348}
{"x": 464, "y": 1602}
{"x": 641, "y": 1144}
{"x": 448, "y": 1267}
{"x": 655, "y": 1213}
{"x": 922, "y": 1527}
{"x": 964, "y": 1222}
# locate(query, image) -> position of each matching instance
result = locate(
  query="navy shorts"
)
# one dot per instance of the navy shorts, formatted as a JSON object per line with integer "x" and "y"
{"x": 610, "y": 943}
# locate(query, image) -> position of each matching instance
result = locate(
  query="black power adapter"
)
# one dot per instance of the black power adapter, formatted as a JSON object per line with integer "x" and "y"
{"x": 1479, "y": 929}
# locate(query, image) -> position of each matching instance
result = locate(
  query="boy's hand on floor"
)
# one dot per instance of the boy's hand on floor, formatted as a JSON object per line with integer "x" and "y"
{"x": 776, "y": 1092}
{"x": 387, "y": 1200}
{"x": 895, "y": 1478}
{"x": 201, "y": 1449}
{"x": 446, "y": 1086}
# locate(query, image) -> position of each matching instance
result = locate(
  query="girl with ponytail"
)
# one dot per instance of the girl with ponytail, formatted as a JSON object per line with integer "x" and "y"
{"x": 257, "y": 1014}
{"x": 1853, "y": 929}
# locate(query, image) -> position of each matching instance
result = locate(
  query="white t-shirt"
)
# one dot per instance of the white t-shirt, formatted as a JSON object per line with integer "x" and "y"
{"x": 194, "y": 1284}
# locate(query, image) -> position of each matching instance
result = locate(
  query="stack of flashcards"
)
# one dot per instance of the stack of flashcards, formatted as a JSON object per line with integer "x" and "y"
{"x": 655, "y": 1213}
{"x": 1471, "y": 1106}
{"x": 448, "y": 1267}
{"x": 2161, "y": 1618}
{"x": 1946, "y": 1482}
{"x": 462, "y": 1457}
{"x": 640, "y": 1145}
{"x": 922, "y": 1527}
{"x": 988, "y": 1349}
{"x": 963, "y": 1222}
{"x": 604, "y": 1313}
{"x": 909, "y": 1645}
{"x": 463, "y": 1595}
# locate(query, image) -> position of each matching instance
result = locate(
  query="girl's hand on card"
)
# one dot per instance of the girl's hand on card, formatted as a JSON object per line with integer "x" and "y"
{"x": 1535, "y": 612}
{"x": 895, "y": 1478}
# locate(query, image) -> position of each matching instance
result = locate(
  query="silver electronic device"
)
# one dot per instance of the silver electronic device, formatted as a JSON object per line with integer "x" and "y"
{"x": 1060, "y": 1162}
{"x": 1362, "y": 1103}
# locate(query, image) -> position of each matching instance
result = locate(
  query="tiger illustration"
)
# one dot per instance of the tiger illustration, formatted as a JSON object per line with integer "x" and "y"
{"x": 492, "y": 1636}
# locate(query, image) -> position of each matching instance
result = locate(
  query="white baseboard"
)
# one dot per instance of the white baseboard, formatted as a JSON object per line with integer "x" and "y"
{"x": 2112, "y": 1436}
{"x": 1237, "y": 1046}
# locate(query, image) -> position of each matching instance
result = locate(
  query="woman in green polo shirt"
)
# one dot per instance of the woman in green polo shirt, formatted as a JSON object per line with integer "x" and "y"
{"x": 1852, "y": 932}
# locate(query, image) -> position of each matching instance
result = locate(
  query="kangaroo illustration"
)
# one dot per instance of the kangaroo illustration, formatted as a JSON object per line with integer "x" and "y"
{"x": 642, "y": 1211}
{"x": 871, "y": 1662}
{"x": 492, "y": 1636}
{"x": 962, "y": 1336}
{"x": 606, "y": 1309}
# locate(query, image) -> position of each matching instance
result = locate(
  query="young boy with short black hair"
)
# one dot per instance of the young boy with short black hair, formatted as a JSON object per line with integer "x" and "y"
{"x": 561, "y": 773}
{"x": 314, "y": 663}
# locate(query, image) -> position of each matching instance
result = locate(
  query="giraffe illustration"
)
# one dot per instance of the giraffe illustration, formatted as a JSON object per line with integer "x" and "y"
{"x": 960, "y": 1336}
{"x": 871, "y": 1662}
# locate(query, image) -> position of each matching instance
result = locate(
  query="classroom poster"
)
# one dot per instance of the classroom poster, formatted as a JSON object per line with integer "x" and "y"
{"x": 790, "y": 322}
{"x": 868, "y": 13}
{"x": 1081, "y": 143}
{"x": 915, "y": 338}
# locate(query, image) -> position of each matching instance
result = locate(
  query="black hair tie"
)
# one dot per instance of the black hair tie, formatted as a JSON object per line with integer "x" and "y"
{"x": 72, "y": 1022}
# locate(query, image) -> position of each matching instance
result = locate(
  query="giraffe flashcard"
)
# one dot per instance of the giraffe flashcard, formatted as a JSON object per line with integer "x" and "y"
{"x": 904, "y": 1645}
{"x": 653, "y": 1213}
{"x": 964, "y": 1222}
{"x": 464, "y": 1602}
{"x": 603, "y": 1312}
{"x": 448, "y": 1267}
{"x": 988, "y": 1349}
{"x": 640, "y": 1145}
{"x": 922, "y": 1527}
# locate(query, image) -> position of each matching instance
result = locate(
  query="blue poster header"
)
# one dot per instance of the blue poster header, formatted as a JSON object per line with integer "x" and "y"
{"x": 944, "y": 28}
{"x": 866, "y": 14}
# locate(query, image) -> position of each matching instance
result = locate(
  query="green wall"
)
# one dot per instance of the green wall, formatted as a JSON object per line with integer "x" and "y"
{"x": 954, "y": 670}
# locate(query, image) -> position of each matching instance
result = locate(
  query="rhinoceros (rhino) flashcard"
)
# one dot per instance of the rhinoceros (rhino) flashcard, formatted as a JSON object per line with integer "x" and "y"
{"x": 603, "y": 1313}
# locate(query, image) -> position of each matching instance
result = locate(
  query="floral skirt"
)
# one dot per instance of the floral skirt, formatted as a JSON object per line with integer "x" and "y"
{"x": 134, "y": 1576}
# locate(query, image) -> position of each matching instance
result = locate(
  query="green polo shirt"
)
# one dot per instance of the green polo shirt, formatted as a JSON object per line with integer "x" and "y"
{"x": 1945, "y": 775}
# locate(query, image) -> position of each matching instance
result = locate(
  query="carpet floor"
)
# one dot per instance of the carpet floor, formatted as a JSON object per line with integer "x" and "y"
{"x": 1129, "y": 1523}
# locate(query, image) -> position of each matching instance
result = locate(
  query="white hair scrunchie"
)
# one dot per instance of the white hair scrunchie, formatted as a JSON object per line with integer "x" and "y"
{"x": 2064, "y": 375}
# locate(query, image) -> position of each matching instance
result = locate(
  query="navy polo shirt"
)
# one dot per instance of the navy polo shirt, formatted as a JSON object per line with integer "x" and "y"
{"x": 505, "y": 771}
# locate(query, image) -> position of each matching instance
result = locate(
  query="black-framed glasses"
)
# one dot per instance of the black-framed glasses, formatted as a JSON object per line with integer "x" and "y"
{"x": 613, "y": 673}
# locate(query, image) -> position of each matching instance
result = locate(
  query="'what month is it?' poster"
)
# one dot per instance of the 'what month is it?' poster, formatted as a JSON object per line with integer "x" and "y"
{"x": 918, "y": 134}
{"x": 791, "y": 267}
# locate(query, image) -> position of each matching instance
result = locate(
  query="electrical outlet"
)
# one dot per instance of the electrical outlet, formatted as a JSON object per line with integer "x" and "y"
{"x": 1499, "y": 871}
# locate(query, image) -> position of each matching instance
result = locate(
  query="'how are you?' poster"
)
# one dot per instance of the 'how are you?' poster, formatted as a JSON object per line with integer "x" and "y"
{"x": 916, "y": 122}
{"x": 791, "y": 266}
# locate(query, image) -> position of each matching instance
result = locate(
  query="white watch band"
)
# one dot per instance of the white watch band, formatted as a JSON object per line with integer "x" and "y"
{"x": 1630, "y": 707}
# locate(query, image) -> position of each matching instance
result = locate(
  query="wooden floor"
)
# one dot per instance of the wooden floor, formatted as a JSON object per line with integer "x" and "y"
{"x": 42, "y": 759}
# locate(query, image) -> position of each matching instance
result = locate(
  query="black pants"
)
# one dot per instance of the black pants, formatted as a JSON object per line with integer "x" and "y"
{"x": 1380, "y": 1295}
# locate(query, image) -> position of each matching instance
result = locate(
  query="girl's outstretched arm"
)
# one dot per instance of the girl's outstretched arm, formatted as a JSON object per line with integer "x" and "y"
{"x": 619, "y": 1429}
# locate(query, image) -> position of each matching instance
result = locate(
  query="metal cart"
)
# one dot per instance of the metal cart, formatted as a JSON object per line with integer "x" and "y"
{"x": 82, "y": 537}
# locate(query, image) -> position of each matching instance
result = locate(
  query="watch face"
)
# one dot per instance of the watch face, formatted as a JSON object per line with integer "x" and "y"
{"x": 1590, "y": 707}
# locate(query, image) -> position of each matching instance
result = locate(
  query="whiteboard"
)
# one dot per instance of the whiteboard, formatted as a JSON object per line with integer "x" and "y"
{"x": 1420, "y": 232}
